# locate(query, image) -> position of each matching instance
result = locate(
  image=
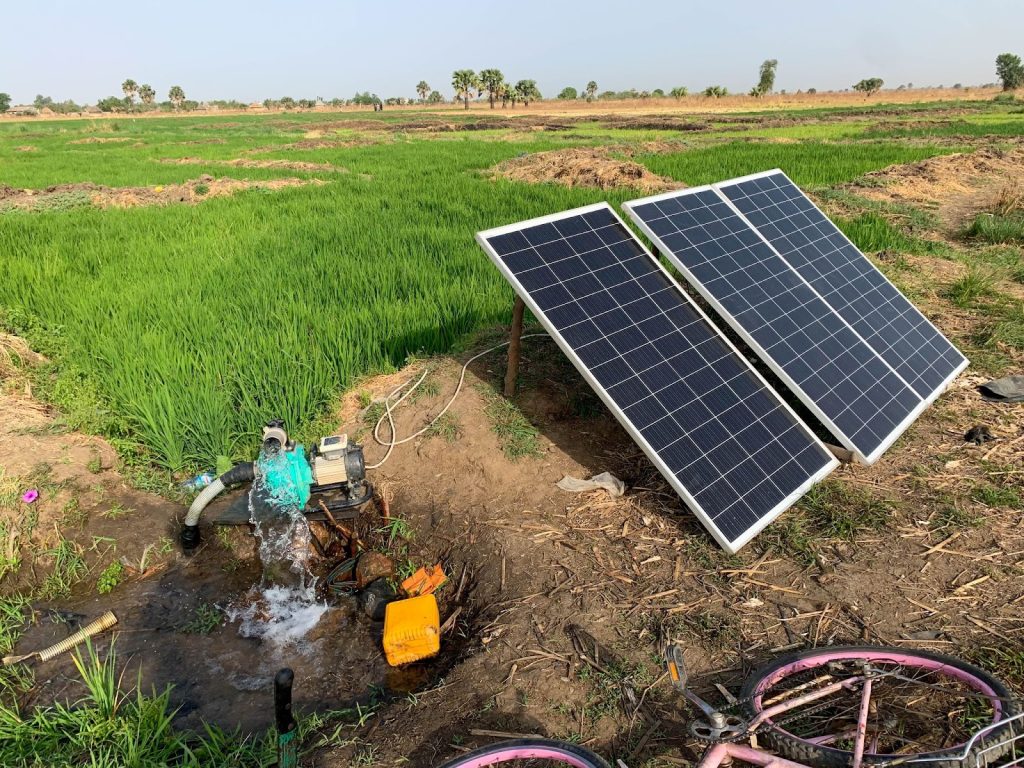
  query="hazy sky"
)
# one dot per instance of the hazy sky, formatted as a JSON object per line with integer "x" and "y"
{"x": 306, "y": 48}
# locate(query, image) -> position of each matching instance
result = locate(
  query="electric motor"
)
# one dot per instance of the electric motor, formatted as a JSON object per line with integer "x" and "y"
{"x": 336, "y": 460}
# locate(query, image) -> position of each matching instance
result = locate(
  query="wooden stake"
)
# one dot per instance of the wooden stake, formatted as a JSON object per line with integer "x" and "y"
{"x": 844, "y": 455}
{"x": 512, "y": 372}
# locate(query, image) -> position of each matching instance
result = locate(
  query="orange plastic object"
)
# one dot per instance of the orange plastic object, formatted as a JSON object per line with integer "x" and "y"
{"x": 412, "y": 630}
{"x": 424, "y": 581}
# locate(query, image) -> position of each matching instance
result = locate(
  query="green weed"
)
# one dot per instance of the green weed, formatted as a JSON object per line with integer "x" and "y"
{"x": 115, "y": 511}
{"x": 952, "y": 516}
{"x": 205, "y": 619}
{"x": 517, "y": 436}
{"x": 446, "y": 427}
{"x": 110, "y": 578}
{"x": 997, "y": 496}
{"x": 68, "y": 569}
{"x": 72, "y": 515}
{"x": 995, "y": 228}
{"x": 974, "y": 285}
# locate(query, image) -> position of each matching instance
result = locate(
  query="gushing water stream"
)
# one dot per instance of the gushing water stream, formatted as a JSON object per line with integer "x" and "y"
{"x": 283, "y": 607}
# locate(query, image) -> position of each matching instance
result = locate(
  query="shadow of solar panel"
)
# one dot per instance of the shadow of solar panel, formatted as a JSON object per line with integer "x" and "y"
{"x": 722, "y": 438}
{"x": 819, "y": 251}
{"x": 854, "y": 393}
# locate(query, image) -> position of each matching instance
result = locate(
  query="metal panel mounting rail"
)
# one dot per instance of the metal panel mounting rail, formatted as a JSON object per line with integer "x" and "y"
{"x": 821, "y": 254}
{"x": 840, "y": 379}
{"x": 728, "y": 445}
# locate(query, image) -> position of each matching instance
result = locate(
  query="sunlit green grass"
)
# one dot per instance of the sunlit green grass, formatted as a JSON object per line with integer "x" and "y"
{"x": 807, "y": 163}
{"x": 184, "y": 328}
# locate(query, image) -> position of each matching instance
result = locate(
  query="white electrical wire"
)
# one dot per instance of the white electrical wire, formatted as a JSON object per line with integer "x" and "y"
{"x": 389, "y": 406}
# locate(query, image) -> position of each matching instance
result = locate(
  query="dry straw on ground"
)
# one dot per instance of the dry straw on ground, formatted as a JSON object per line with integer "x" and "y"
{"x": 586, "y": 167}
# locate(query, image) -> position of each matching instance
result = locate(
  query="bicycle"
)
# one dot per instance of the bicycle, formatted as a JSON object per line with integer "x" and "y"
{"x": 841, "y": 707}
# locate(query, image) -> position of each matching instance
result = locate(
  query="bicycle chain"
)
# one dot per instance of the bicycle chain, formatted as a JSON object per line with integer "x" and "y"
{"x": 738, "y": 705}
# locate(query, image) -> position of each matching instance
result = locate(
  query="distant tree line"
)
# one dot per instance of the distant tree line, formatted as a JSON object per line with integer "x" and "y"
{"x": 468, "y": 85}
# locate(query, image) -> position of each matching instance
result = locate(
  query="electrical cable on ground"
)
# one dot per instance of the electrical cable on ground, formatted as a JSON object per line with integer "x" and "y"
{"x": 389, "y": 406}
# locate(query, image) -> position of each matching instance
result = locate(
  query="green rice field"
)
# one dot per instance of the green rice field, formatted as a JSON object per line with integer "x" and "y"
{"x": 178, "y": 330}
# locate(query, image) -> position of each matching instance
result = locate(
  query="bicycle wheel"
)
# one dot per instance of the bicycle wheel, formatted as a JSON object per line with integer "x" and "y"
{"x": 529, "y": 753}
{"x": 923, "y": 706}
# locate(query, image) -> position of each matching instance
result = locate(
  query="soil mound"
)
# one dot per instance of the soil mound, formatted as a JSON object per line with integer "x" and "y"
{"x": 311, "y": 144}
{"x": 940, "y": 179}
{"x": 590, "y": 167}
{"x": 102, "y": 140}
{"x": 655, "y": 123}
{"x": 65, "y": 196}
{"x": 245, "y": 162}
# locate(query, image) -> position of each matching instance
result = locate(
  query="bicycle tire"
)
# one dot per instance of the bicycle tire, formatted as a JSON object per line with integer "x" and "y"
{"x": 528, "y": 749}
{"x": 803, "y": 751}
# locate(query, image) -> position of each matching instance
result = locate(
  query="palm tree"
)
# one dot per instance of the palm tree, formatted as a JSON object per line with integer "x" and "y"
{"x": 491, "y": 80}
{"x": 591, "y": 90}
{"x": 527, "y": 91}
{"x": 177, "y": 96}
{"x": 422, "y": 89}
{"x": 130, "y": 87}
{"x": 505, "y": 93}
{"x": 146, "y": 93}
{"x": 464, "y": 81}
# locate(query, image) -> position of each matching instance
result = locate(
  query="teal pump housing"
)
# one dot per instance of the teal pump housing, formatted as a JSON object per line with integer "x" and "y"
{"x": 286, "y": 476}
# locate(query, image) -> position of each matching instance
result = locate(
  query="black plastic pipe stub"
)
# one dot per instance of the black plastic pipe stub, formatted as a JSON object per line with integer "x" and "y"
{"x": 189, "y": 538}
{"x": 283, "y": 682}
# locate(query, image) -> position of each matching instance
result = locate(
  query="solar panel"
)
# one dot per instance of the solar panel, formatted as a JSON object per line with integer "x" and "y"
{"x": 854, "y": 393}
{"x": 721, "y": 437}
{"x": 847, "y": 280}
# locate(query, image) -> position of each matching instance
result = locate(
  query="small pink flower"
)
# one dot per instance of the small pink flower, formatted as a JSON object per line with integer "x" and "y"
{"x": 30, "y": 495}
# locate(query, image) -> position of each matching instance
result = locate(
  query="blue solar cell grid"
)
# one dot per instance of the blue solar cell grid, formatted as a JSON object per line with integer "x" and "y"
{"x": 724, "y": 438}
{"x": 847, "y": 280}
{"x": 835, "y": 373}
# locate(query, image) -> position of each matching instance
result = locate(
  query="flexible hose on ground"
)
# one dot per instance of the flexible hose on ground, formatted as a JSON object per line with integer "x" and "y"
{"x": 389, "y": 406}
{"x": 208, "y": 494}
{"x": 240, "y": 473}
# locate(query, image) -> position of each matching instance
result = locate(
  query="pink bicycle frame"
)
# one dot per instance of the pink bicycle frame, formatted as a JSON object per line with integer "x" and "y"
{"x": 724, "y": 753}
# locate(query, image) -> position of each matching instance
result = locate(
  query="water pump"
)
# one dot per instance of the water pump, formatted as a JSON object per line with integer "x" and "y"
{"x": 331, "y": 482}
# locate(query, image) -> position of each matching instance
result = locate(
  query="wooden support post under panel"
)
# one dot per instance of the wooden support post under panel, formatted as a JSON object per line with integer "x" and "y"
{"x": 512, "y": 372}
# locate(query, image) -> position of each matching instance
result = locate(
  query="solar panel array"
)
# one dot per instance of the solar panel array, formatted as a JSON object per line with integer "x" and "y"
{"x": 820, "y": 253}
{"x": 725, "y": 441}
{"x": 783, "y": 319}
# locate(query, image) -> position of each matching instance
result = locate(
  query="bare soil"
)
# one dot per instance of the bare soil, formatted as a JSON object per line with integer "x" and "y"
{"x": 86, "y": 193}
{"x": 954, "y": 186}
{"x": 595, "y": 167}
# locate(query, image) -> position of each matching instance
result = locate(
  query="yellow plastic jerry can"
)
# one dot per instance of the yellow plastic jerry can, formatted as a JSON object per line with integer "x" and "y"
{"x": 412, "y": 630}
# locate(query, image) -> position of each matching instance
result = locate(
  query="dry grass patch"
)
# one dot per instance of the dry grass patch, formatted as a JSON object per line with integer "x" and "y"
{"x": 65, "y": 196}
{"x": 584, "y": 167}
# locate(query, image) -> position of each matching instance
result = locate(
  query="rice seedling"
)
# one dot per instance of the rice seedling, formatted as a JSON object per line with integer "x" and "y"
{"x": 808, "y": 163}
{"x": 234, "y": 315}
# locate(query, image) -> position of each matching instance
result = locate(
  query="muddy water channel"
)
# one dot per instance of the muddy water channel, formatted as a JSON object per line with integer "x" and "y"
{"x": 207, "y": 627}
